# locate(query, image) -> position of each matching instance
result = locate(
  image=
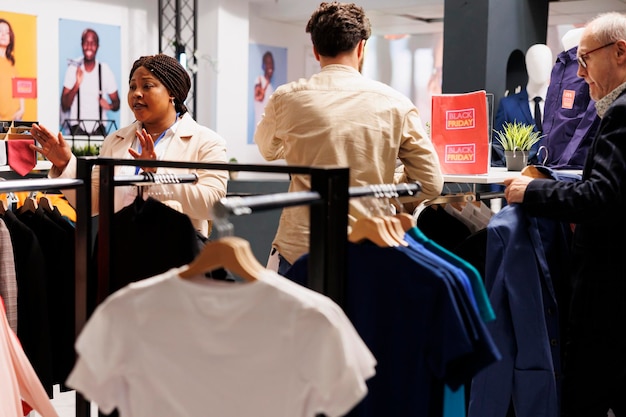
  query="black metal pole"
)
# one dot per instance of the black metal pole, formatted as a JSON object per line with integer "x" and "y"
{"x": 328, "y": 242}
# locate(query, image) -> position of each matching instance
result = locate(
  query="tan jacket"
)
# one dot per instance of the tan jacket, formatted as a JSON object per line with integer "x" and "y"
{"x": 340, "y": 118}
{"x": 191, "y": 142}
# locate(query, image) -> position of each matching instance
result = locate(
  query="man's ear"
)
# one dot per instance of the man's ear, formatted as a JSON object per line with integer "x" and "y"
{"x": 315, "y": 53}
{"x": 621, "y": 50}
{"x": 361, "y": 48}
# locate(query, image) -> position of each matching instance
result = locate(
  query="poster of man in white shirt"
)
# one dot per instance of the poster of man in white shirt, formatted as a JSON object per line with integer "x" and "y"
{"x": 273, "y": 64}
{"x": 90, "y": 100}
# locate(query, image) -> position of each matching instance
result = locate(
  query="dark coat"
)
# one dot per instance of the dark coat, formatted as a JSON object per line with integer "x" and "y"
{"x": 595, "y": 363}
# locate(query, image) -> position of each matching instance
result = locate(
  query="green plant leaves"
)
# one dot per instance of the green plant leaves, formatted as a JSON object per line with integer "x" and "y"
{"x": 87, "y": 150}
{"x": 517, "y": 136}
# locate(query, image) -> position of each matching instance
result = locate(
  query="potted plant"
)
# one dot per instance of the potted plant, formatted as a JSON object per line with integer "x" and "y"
{"x": 233, "y": 174}
{"x": 516, "y": 139}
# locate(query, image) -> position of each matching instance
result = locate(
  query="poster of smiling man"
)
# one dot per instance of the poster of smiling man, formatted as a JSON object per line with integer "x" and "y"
{"x": 267, "y": 70}
{"x": 89, "y": 71}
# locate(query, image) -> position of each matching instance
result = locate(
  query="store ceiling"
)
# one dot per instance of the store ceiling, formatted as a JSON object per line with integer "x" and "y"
{"x": 421, "y": 16}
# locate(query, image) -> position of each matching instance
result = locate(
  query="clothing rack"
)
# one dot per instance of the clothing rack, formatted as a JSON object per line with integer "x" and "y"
{"x": 328, "y": 214}
{"x": 329, "y": 278}
{"x": 42, "y": 184}
{"x": 328, "y": 201}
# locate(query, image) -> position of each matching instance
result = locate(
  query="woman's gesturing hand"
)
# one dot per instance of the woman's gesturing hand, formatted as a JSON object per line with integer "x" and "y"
{"x": 54, "y": 148}
{"x": 147, "y": 149}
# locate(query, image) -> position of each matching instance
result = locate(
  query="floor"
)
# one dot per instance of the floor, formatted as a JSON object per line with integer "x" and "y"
{"x": 64, "y": 403}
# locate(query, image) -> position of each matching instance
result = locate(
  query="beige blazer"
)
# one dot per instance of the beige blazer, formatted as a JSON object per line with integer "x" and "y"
{"x": 191, "y": 142}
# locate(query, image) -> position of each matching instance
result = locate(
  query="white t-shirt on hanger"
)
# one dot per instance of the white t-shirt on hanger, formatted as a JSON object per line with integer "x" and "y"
{"x": 166, "y": 346}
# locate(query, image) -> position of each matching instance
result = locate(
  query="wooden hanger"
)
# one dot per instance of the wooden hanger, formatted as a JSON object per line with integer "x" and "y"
{"x": 395, "y": 229}
{"x": 406, "y": 221}
{"x": 451, "y": 198}
{"x": 30, "y": 204}
{"x": 373, "y": 229}
{"x": 229, "y": 252}
{"x": 534, "y": 172}
{"x": 44, "y": 202}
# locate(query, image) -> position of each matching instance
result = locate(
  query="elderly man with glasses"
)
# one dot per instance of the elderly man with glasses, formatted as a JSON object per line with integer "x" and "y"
{"x": 595, "y": 335}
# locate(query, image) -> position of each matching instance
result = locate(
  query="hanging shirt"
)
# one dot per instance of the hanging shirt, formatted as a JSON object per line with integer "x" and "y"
{"x": 418, "y": 321}
{"x": 176, "y": 347}
{"x": 476, "y": 280}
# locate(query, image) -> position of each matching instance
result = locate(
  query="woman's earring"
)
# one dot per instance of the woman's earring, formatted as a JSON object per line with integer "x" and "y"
{"x": 173, "y": 103}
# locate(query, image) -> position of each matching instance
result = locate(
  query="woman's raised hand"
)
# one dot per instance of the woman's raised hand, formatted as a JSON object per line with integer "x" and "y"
{"x": 147, "y": 148}
{"x": 54, "y": 148}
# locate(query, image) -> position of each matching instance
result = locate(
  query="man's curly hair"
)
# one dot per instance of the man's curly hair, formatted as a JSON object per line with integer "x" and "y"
{"x": 338, "y": 27}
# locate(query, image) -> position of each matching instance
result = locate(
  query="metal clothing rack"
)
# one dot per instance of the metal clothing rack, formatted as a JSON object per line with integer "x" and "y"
{"x": 328, "y": 216}
{"x": 327, "y": 275}
{"x": 38, "y": 184}
{"x": 328, "y": 201}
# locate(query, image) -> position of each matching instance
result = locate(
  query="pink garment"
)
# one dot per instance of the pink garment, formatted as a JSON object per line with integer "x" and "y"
{"x": 17, "y": 377}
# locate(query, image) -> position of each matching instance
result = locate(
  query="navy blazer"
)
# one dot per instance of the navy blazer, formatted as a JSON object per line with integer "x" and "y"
{"x": 513, "y": 108}
{"x": 524, "y": 271}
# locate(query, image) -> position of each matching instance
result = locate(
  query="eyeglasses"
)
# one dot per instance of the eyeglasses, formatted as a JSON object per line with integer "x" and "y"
{"x": 581, "y": 59}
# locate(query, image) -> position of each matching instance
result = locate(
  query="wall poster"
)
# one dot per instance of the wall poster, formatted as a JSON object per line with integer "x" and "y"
{"x": 89, "y": 78}
{"x": 18, "y": 67}
{"x": 267, "y": 69}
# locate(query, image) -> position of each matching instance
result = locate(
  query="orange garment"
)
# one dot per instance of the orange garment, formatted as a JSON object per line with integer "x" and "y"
{"x": 57, "y": 200}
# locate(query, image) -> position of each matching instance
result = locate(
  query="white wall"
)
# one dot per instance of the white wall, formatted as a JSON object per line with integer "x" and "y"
{"x": 225, "y": 30}
{"x": 298, "y": 43}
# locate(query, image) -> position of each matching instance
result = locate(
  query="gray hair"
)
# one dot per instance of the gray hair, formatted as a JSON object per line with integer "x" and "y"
{"x": 608, "y": 27}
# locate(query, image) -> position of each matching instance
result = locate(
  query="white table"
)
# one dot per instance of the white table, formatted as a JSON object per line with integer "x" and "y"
{"x": 496, "y": 175}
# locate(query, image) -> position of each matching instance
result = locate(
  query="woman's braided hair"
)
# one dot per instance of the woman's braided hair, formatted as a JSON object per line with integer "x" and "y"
{"x": 169, "y": 72}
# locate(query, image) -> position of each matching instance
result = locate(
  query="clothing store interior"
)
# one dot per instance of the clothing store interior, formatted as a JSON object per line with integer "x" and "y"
{"x": 303, "y": 208}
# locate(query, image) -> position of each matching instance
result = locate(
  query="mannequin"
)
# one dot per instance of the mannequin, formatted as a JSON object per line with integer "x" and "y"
{"x": 539, "y": 66}
{"x": 570, "y": 119}
{"x": 571, "y": 38}
{"x": 520, "y": 107}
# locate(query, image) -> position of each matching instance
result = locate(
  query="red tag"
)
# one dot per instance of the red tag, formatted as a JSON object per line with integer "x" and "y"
{"x": 24, "y": 87}
{"x": 567, "y": 101}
